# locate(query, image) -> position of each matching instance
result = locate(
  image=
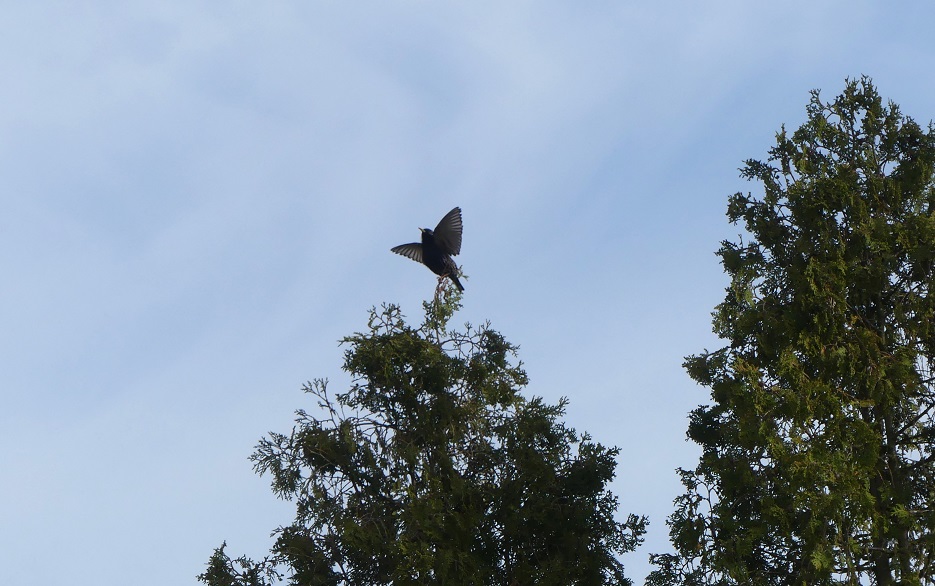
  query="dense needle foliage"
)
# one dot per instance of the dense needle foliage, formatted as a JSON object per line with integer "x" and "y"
{"x": 818, "y": 464}
{"x": 433, "y": 469}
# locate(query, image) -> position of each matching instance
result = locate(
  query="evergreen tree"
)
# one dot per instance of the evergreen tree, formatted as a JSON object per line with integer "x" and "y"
{"x": 433, "y": 469}
{"x": 818, "y": 464}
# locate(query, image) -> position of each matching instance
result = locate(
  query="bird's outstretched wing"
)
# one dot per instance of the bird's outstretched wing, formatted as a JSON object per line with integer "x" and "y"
{"x": 413, "y": 250}
{"x": 448, "y": 233}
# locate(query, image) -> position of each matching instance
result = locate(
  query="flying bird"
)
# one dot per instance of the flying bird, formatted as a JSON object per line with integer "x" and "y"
{"x": 437, "y": 247}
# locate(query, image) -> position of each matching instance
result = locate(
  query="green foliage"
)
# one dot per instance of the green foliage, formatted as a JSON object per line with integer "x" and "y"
{"x": 433, "y": 469}
{"x": 817, "y": 463}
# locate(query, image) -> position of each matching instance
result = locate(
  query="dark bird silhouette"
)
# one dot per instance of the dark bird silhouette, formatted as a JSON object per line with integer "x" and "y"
{"x": 438, "y": 247}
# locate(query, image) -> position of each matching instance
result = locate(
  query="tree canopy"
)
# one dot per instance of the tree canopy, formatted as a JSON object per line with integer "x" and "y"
{"x": 433, "y": 469}
{"x": 818, "y": 464}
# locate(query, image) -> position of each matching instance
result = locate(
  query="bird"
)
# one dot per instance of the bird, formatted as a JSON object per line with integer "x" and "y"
{"x": 437, "y": 247}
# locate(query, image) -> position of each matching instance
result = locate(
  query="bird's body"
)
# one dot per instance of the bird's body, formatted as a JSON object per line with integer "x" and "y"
{"x": 437, "y": 247}
{"x": 434, "y": 257}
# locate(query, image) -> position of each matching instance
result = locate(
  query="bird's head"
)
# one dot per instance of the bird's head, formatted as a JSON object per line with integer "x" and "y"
{"x": 426, "y": 232}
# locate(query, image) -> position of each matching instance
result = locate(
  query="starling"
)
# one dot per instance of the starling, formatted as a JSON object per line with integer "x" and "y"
{"x": 438, "y": 247}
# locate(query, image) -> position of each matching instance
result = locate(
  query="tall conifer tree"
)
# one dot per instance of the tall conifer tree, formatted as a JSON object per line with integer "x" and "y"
{"x": 818, "y": 464}
{"x": 432, "y": 468}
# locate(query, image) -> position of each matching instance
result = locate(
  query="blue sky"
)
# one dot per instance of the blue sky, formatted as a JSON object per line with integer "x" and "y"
{"x": 197, "y": 200}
